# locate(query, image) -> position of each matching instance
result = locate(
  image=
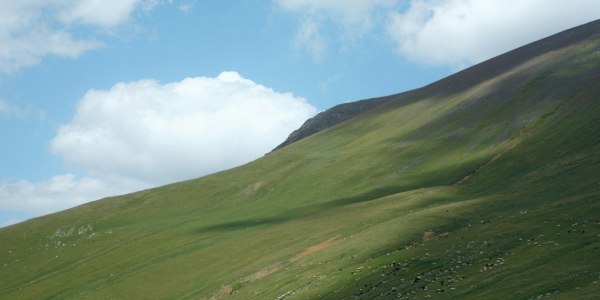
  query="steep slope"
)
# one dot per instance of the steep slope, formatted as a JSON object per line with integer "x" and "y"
{"x": 483, "y": 185}
{"x": 452, "y": 84}
{"x": 332, "y": 117}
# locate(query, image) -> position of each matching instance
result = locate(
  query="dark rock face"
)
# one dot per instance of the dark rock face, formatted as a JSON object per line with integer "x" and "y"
{"x": 331, "y": 117}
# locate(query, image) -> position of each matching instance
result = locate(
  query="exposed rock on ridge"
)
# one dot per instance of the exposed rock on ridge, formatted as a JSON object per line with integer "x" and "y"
{"x": 449, "y": 85}
{"x": 331, "y": 117}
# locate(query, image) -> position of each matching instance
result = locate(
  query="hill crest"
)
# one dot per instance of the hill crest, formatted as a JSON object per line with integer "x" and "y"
{"x": 452, "y": 84}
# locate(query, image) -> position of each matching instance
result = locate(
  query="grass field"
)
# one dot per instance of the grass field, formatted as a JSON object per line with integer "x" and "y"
{"x": 484, "y": 191}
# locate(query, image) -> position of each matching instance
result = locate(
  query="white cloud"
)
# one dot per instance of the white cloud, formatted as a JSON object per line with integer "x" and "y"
{"x": 309, "y": 39}
{"x": 5, "y": 108}
{"x": 459, "y": 33}
{"x": 141, "y": 134}
{"x": 331, "y": 80}
{"x": 56, "y": 193}
{"x": 186, "y": 7}
{"x": 29, "y": 112}
{"x": 344, "y": 11}
{"x": 33, "y": 29}
{"x": 102, "y": 13}
{"x": 354, "y": 18}
{"x": 454, "y": 33}
{"x": 8, "y": 109}
{"x": 158, "y": 133}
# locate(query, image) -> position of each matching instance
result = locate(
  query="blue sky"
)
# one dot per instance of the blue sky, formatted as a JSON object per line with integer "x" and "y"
{"x": 104, "y": 97}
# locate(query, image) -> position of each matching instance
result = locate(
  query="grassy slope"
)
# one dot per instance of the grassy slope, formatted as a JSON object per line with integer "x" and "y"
{"x": 489, "y": 191}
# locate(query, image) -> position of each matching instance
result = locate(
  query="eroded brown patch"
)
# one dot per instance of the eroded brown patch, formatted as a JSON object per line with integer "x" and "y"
{"x": 253, "y": 188}
{"x": 430, "y": 234}
{"x": 262, "y": 273}
{"x": 224, "y": 291}
{"x": 313, "y": 249}
{"x": 227, "y": 290}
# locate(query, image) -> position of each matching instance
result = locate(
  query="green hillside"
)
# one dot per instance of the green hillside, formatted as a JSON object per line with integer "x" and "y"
{"x": 484, "y": 185}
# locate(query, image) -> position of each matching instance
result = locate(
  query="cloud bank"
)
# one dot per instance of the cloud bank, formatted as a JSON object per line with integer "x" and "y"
{"x": 159, "y": 133}
{"x": 31, "y": 30}
{"x": 460, "y": 33}
{"x": 141, "y": 134}
{"x": 355, "y": 18}
{"x": 454, "y": 33}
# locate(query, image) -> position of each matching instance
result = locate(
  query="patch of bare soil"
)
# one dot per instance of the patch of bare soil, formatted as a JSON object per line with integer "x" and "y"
{"x": 313, "y": 249}
{"x": 430, "y": 234}
{"x": 253, "y": 188}
{"x": 262, "y": 273}
{"x": 224, "y": 291}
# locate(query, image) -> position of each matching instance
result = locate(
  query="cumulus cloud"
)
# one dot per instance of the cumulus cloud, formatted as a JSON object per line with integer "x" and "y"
{"x": 459, "y": 33}
{"x": 454, "y": 33}
{"x": 158, "y": 133}
{"x": 141, "y": 134}
{"x": 31, "y": 30}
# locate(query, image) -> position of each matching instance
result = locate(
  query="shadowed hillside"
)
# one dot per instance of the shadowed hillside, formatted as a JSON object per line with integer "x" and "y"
{"x": 483, "y": 185}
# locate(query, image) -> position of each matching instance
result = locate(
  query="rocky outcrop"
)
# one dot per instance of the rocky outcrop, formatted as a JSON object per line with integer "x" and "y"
{"x": 453, "y": 84}
{"x": 331, "y": 117}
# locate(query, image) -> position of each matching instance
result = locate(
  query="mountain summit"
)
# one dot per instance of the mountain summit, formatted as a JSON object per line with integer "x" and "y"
{"x": 483, "y": 185}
